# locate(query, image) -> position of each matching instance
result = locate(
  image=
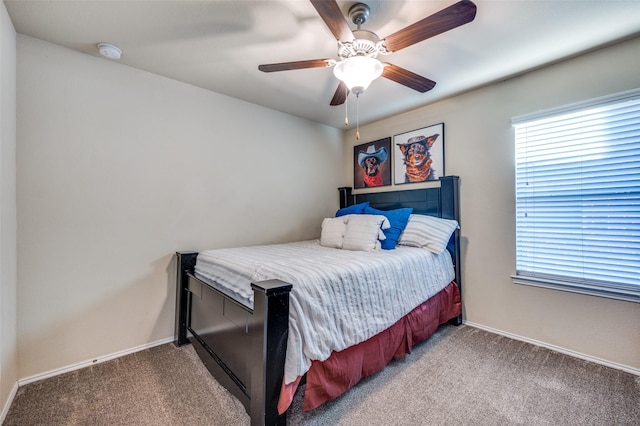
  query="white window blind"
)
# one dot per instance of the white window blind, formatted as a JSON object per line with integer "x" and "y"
{"x": 578, "y": 198}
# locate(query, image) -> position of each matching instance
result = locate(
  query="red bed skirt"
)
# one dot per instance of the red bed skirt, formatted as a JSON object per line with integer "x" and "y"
{"x": 331, "y": 378}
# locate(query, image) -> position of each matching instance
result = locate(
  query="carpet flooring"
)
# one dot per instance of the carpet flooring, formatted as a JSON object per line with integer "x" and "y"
{"x": 460, "y": 376}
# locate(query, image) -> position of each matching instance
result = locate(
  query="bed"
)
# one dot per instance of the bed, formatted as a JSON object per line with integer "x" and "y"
{"x": 250, "y": 341}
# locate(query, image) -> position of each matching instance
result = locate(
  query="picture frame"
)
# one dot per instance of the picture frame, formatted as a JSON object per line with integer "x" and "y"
{"x": 419, "y": 155}
{"x": 372, "y": 164}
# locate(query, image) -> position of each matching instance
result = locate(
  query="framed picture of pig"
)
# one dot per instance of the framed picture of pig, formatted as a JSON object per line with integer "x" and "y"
{"x": 419, "y": 155}
{"x": 372, "y": 164}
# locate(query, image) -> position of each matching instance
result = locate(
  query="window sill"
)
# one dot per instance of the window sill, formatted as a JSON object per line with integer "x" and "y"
{"x": 618, "y": 293}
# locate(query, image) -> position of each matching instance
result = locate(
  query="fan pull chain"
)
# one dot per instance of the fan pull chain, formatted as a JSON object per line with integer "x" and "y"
{"x": 346, "y": 108}
{"x": 357, "y": 118}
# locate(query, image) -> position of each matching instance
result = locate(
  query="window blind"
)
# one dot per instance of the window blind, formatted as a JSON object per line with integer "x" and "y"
{"x": 578, "y": 199}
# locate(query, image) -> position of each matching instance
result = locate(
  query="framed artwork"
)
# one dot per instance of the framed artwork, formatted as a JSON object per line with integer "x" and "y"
{"x": 372, "y": 164}
{"x": 419, "y": 155}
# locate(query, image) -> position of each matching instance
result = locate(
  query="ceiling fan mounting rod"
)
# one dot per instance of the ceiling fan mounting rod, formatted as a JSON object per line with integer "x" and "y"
{"x": 359, "y": 13}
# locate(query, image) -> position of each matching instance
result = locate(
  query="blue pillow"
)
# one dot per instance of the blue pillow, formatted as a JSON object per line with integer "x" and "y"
{"x": 398, "y": 219}
{"x": 354, "y": 209}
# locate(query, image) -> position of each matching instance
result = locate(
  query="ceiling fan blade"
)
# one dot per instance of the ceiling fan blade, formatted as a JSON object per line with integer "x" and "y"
{"x": 407, "y": 78}
{"x": 340, "y": 96}
{"x": 448, "y": 18}
{"x": 297, "y": 65}
{"x": 331, "y": 14}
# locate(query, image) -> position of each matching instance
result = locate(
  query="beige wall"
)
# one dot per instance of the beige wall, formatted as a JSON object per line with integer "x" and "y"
{"x": 8, "y": 282}
{"x": 479, "y": 148}
{"x": 118, "y": 169}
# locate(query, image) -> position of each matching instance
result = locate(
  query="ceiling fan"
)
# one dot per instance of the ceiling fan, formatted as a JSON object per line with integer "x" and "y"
{"x": 359, "y": 48}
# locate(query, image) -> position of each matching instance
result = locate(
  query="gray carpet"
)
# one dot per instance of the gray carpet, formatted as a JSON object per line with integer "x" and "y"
{"x": 460, "y": 376}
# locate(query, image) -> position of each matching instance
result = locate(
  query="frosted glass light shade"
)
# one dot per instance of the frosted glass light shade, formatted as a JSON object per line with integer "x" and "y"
{"x": 357, "y": 72}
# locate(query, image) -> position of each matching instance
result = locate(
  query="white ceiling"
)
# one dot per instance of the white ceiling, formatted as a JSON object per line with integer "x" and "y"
{"x": 218, "y": 45}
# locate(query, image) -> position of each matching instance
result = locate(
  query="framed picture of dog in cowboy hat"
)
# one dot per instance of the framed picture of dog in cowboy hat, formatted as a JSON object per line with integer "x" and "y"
{"x": 372, "y": 164}
{"x": 419, "y": 155}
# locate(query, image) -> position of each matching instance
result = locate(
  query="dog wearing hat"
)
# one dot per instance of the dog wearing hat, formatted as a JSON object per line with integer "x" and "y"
{"x": 417, "y": 158}
{"x": 370, "y": 162}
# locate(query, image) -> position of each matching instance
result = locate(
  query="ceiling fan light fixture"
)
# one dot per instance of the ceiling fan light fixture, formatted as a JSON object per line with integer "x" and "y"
{"x": 357, "y": 72}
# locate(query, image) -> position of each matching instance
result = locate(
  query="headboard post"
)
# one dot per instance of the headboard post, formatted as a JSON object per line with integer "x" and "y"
{"x": 450, "y": 207}
{"x": 449, "y": 186}
{"x": 346, "y": 199}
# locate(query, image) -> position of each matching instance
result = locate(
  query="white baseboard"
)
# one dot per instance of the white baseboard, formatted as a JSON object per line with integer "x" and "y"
{"x": 7, "y": 404}
{"x": 565, "y": 351}
{"x": 83, "y": 364}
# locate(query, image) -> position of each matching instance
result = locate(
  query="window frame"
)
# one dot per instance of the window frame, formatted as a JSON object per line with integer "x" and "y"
{"x": 619, "y": 291}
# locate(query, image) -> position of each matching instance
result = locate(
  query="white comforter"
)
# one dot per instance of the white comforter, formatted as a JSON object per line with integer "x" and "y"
{"x": 339, "y": 297}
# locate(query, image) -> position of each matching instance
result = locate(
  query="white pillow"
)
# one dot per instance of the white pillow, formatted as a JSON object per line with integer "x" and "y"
{"x": 430, "y": 232}
{"x": 364, "y": 232}
{"x": 333, "y": 230}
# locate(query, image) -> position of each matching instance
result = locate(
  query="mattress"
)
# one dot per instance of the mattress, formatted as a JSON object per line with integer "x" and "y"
{"x": 339, "y": 297}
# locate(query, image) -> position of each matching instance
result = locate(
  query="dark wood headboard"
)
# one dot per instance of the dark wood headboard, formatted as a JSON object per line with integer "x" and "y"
{"x": 442, "y": 201}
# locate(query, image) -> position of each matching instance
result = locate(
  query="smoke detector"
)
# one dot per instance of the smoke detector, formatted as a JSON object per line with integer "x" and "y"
{"x": 109, "y": 51}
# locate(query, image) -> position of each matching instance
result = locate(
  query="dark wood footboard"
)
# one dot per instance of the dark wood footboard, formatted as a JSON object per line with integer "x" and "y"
{"x": 244, "y": 349}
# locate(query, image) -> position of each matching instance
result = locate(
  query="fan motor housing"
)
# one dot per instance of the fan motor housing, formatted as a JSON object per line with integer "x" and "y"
{"x": 366, "y": 43}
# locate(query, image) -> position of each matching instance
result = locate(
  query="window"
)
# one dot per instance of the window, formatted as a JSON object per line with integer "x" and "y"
{"x": 578, "y": 198}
